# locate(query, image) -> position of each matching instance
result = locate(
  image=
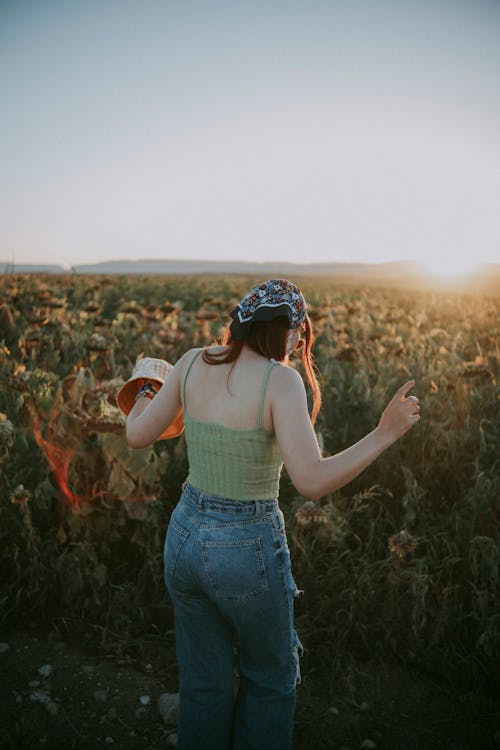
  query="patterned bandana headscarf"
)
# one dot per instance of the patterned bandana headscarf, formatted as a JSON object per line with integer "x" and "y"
{"x": 265, "y": 302}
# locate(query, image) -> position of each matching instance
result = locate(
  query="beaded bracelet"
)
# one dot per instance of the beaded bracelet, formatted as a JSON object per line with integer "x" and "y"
{"x": 146, "y": 390}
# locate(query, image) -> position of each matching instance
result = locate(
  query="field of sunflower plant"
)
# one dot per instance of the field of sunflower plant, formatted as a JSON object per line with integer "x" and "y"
{"x": 401, "y": 565}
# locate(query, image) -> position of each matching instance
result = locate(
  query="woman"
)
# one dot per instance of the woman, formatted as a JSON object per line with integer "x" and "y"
{"x": 227, "y": 564}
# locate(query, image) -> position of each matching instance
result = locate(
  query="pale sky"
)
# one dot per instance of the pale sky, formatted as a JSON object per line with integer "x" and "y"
{"x": 260, "y": 130}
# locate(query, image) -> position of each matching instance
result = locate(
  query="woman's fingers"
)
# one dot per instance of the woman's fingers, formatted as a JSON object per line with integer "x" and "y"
{"x": 411, "y": 403}
{"x": 402, "y": 412}
{"x": 400, "y": 394}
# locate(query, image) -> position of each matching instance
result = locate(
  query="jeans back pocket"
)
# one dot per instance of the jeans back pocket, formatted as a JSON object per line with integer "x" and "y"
{"x": 234, "y": 568}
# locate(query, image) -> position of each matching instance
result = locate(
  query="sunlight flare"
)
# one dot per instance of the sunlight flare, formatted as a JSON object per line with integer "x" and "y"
{"x": 446, "y": 266}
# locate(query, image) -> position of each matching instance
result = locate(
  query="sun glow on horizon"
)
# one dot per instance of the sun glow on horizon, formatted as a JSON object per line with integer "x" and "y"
{"x": 450, "y": 267}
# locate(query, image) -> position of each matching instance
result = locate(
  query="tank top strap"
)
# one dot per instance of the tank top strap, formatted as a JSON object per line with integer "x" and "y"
{"x": 183, "y": 389}
{"x": 263, "y": 391}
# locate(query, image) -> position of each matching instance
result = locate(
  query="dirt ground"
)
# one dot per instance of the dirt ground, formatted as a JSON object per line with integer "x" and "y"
{"x": 57, "y": 693}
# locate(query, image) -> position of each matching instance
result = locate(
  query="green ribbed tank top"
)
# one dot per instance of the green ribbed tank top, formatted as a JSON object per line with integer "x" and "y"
{"x": 237, "y": 464}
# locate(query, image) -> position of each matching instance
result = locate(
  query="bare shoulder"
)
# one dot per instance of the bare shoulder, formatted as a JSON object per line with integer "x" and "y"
{"x": 285, "y": 382}
{"x": 189, "y": 355}
{"x": 184, "y": 361}
{"x": 216, "y": 349}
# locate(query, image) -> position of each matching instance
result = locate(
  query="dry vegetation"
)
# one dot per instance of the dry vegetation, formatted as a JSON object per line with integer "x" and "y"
{"x": 401, "y": 566}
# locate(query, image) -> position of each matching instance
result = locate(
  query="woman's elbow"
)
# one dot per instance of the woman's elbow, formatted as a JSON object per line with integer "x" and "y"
{"x": 133, "y": 443}
{"x": 310, "y": 494}
{"x": 134, "y": 440}
{"x": 313, "y": 484}
{"x": 308, "y": 487}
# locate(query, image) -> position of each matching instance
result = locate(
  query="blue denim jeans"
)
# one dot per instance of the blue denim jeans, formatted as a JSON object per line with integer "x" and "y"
{"x": 228, "y": 573}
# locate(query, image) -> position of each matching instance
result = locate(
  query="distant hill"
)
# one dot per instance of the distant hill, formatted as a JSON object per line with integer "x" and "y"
{"x": 30, "y": 268}
{"x": 248, "y": 268}
{"x": 186, "y": 267}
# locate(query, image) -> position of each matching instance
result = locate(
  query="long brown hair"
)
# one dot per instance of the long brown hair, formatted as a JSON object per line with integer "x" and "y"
{"x": 269, "y": 338}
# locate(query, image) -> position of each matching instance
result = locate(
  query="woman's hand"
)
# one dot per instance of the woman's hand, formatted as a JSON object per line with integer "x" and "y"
{"x": 400, "y": 414}
{"x": 148, "y": 381}
{"x": 149, "y": 418}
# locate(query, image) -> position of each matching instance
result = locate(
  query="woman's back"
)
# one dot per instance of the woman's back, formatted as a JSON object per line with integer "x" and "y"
{"x": 231, "y": 453}
{"x": 228, "y": 394}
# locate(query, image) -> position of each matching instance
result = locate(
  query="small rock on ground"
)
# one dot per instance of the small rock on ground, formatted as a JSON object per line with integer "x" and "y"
{"x": 168, "y": 706}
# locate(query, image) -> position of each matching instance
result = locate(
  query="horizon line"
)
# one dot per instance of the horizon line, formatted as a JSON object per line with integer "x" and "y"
{"x": 225, "y": 260}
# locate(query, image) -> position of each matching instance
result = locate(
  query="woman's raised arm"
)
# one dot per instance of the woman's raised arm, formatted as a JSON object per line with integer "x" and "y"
{"x": 312, "y": 475}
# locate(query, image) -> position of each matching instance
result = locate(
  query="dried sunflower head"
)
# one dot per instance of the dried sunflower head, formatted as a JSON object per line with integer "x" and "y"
{"x": 169, "y": 308}
{"x": 6, "y": 431}
{"x": 131, "y": 307}
{"x": 20, "y": 495}
{"x": 204, "y": 314}
{"x": 309, "y": 514}
{"x": 151, "y": 312}
{"x": 98, "y": 343}
{"x": 474, "y": 369}
{"x": 56, "y": 303}
{"x": 401, "y": 544}
{"x": 6, "y": 316}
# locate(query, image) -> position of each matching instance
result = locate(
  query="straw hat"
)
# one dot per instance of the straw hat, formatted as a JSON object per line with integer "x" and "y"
{"x": 155, "y": 370}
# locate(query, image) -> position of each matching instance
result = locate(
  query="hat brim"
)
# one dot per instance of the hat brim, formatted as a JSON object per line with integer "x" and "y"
{"x": 126, "y": 400}
{"x": 240, "y": 330}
